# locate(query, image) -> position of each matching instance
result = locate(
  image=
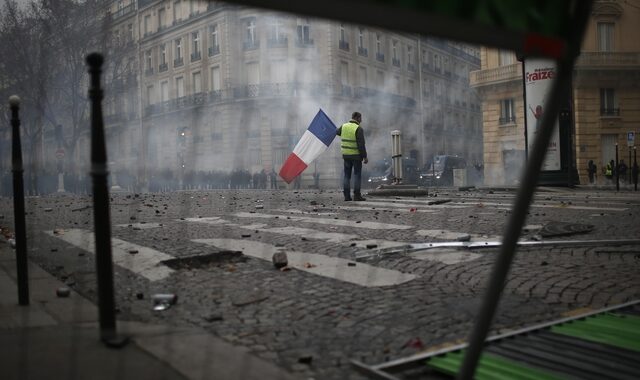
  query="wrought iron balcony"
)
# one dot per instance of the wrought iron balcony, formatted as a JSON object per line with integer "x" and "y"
{"x": 163, "y": 67}
{"x": 609, "y": 111}
{"x": 250, "y": 45}
{"x": 363, "y": 51}
{"x": 307, "y": 42}
{"x": 277, "y": 42}
{"x": 196, "y": 56}
{"x": 344, "y": 45}
{"x": 148, "y": 71}
{"x": 178, "y": 62}
{"x": 507, "y": 120}
{"x": 380, "y": 57}
{"x": 395, "y": 62}
{"x": 411, "y": 67}
{"x": 214, "y": 50}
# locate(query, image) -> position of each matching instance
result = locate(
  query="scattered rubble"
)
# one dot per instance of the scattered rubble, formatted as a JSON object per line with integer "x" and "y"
{"x": 164, "y": 301}
{"x": 280, "y": 260}
{"x": 63, "y": 292}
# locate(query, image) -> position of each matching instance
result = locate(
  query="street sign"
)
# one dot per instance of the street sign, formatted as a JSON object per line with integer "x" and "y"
{"x": 60, "y": 153}
{"x": 631, "y": 138}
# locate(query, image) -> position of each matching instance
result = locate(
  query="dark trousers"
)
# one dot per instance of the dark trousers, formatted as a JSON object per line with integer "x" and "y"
{"x": 356, "y": 165}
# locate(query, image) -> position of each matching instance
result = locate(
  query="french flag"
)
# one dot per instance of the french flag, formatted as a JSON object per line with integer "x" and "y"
{"x": 315, "y": 140}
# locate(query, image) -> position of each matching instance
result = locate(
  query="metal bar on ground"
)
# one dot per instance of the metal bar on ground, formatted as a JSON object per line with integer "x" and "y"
{"x": 101, "y": 217}
{"x": 18, "y": 204}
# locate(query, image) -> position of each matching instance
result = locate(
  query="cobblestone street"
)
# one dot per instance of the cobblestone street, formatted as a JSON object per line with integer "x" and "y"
{"x": 329, "y": 307}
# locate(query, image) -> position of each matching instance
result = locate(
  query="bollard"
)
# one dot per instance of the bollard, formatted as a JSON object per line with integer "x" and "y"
{"x": 396, "y": 156}
{"x": 634, "y": 170}
{"x": 101, "y": 217}
{"x": 18, "y": 204}
{"x": 617, "y": 171}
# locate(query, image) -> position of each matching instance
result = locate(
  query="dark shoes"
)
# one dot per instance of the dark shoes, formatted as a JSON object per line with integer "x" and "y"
{"x": 358, "y": 198}
{"x": 348, "y": 199}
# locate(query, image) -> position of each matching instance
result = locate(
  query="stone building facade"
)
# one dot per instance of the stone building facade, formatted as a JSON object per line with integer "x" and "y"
{"x": 605, "y": 96}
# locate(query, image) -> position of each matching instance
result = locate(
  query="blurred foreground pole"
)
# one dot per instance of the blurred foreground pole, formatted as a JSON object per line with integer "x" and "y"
{"x": 559, "y": 92}
{"x": 18, "y": 204}
{"x": 101, "y": 217}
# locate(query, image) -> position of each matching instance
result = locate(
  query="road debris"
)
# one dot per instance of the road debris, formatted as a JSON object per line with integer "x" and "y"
{"x": 63, "y": 292}
{"x": 279, "y": 260}
{"x": 163, "y": 301}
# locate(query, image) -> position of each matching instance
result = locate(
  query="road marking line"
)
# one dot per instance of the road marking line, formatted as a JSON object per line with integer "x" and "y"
{"x": 331, "y": 267}
{"x": 446, "y": 256}
{"x": 453, "y": 235}
{"x": 141, "y": 226}
{"x": 333, "y": 222}
{"x": 413, "y": 204}
{"x": 146, "y": 262}
{"x": 356, "y": 208}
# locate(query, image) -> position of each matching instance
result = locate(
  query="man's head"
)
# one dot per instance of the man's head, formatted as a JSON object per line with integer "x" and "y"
{"x": 357, "y": 117}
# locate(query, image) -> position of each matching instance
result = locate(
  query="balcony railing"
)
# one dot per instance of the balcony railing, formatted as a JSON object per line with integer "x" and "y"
{"x": 609, "y": 111}
{"x": 363, "y": 51}
{"x": 507, "y": 120}
{"x": 148, "y": 71}
{"x": 343, "y": 45}
{"x": 163, "y": 67}
{"x": 395, "y": 62}
{"x": 304, "y": 42}
{"x": 250, "y": 45}
{"x": 496, "y": 75}
{"x": 380, "y": 57}
{"x": 196, "y": 56}
{"x": 599, "y": 60}
{"x": 123, "y": 11}
{"x": 178, "y": 62}
{"x": 277, "y": 42}
{"x": 411, "y": 67}
{"x": 214, "y": 50}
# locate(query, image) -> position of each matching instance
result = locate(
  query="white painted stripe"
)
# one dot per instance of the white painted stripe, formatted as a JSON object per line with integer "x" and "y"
{"x": 296, "y": 211}
{"x": 555, "y": 205}
{"x": 332, "y": 267}
{"x": 309, "y": 147}
{"x": 331, "y": 237}
{"x": 453, "y": 235}
{"x": 417, "y": 209}
{"x": 146, "y": 262}
{"x": 422, "y": 204}
{"x": 332, "y": 222}
{"x": 141, "y": 226}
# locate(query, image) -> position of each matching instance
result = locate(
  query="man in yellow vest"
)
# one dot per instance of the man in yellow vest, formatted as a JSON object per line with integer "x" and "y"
{"x": 354, "y": 154}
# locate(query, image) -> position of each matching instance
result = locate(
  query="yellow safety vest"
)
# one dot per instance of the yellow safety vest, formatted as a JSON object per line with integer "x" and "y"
{"x": 349, "y": 146}
{"x": 608, "y": 170}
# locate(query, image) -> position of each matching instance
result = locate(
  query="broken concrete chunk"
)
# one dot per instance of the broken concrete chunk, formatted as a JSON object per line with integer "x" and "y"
{"x": 63, "y": 292}
{"x": 164, "y": 301}
{"x": 279, "y": 260}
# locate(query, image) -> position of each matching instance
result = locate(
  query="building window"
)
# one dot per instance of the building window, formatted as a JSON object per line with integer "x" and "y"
{"x": 605, "y": 36}
{"x": 304, "y": 32}
{"x": 276, "y": 32}
{"x": 363, "y": 76}
{"x": 163, "y": 58}
{"x": 179, "y": 87}
{"x": 150, "y": 99}
{"x": 608, "y": 106}
{"x": 410, "y": 65}
{"x": 379, "y": 53}
{"x": 130, "y": 33}
{"x": 394, "y": 54}
{"x": 343, "y": 44}
{"x": 214, "y": 44}
{"x": 195, "y": 46}
{"x": 197, "y": 82}
{"x": 215, "y": 78}
{"x": 147, "y": 24}
{"x": 250, "y": 41}
{"x": 161, "y": 16}
{"x": 177, "y": 14}
{"x": 505, "y": 57}
{"x": 164, "y": 91}
{"x": 362, "y": 50}
{"x": 507, "y": 112}
{"x": 178, "y": 61}
{"x": 148, "y": 62}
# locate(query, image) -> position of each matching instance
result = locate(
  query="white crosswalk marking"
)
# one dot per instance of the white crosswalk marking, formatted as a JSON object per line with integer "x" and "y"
{"x": 453, "y": 235}
{"x": 145, "y": 261}
{"x": 332, "y": 267}
{"x": 333, "y": 222}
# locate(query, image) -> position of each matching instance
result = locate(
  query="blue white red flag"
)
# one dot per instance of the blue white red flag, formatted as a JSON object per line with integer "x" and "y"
{"x": 315, "y": 140}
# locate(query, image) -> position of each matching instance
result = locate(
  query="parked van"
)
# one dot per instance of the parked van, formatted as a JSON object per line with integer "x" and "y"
{"x": 382, "y": 172}
{"x": 440, "y": 171}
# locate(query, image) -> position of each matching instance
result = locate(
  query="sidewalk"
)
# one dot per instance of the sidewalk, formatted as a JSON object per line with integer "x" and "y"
{"x": 57, "y": 338}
